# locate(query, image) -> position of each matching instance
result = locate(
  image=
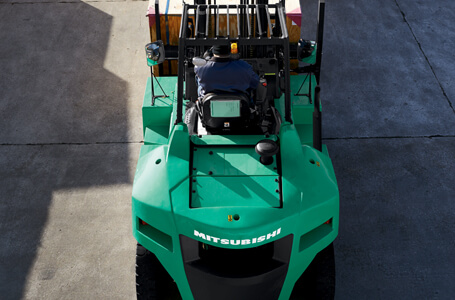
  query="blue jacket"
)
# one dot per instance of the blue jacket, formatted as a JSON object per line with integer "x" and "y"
{"x": 226, "y": 75}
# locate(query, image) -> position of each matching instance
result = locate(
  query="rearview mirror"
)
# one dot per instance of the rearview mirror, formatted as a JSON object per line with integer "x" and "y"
{"x": 155, "y": 53}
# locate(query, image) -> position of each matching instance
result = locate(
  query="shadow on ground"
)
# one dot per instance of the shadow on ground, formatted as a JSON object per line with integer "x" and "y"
{"x": 55, "y": 93}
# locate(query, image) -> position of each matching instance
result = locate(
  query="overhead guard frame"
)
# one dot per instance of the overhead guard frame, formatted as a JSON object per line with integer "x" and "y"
{"x": 202, "y": 39}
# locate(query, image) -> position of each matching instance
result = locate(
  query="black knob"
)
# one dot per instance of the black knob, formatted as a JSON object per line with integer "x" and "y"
{"x": 266, "y": 149}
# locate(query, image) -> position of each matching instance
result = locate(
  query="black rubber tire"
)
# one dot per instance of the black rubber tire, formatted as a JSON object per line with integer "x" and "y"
{"x": 318, "y": 280}
{"x": 153, "y": 282}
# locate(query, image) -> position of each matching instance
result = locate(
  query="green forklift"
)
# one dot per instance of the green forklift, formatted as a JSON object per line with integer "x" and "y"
{"x": 233, "y": 198}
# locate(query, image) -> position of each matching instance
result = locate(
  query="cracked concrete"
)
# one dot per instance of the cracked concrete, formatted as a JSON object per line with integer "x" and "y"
{"x": 72, "y": 75}
{"x": 378, "y": 81}
{"x": 388, "y": 137}
{"x": 426, "y": 57}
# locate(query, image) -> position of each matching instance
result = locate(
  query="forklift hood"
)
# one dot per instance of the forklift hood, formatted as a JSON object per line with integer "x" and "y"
{"x": 233, "y": 176}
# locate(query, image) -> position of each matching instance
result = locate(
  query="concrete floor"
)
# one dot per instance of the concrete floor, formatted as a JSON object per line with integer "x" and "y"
{"x": 72, "y": 75}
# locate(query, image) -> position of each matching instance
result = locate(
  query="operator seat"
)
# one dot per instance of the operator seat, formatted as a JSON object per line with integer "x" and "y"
{"x": 226, "y": 112}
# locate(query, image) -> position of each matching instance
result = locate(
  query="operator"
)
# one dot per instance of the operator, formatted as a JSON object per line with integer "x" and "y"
{"x": 223, "y": 74}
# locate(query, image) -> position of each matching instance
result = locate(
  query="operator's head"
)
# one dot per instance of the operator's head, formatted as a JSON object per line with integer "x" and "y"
{"x": 221, "y": 50}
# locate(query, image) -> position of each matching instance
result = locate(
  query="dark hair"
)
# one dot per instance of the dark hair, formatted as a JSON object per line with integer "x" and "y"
{"x": 221, "y": 49}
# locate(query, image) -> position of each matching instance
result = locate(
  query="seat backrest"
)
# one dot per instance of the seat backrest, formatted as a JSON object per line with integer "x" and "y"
{"x": 227, "y": 111}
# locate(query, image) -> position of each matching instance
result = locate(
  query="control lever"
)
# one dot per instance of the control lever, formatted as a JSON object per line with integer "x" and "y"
{"x": 261, "y": 91}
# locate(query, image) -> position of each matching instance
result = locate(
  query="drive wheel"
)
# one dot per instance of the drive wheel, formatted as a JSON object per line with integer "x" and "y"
{"x": 152, "y": 280}
{"x": 318, "y": 280}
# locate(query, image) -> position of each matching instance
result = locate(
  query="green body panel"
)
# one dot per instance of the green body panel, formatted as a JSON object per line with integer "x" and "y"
{"x": 240, "y": 186}
{"x": 236, "y": 191}
{"x": 302, "y": 109}
{"x": 156, "y": 119}
{"x": 229, "y": 140}
{"x": 226, "y": 176}
{"x": 228, "y": 161}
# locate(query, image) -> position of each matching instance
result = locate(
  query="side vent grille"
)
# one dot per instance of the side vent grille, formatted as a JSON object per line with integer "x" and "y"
{"x": 315, "y": 235}
{"x": 162, "y": 239}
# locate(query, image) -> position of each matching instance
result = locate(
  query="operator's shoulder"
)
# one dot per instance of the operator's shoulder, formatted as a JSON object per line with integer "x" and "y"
{"x": 242, "y": 63}
{"x": 208, "y": 65}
